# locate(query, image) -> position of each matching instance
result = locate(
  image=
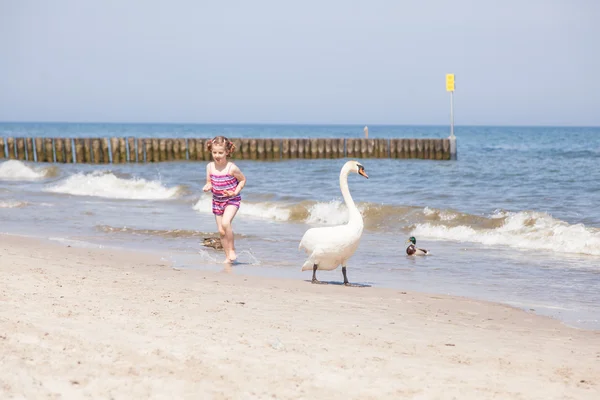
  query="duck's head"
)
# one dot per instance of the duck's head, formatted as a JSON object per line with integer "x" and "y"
{"x": 412, "y": 240}
{"x": 355, "y": 166}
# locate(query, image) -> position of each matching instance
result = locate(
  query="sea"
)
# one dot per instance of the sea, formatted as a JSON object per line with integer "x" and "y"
{"x": 515, "y": 219}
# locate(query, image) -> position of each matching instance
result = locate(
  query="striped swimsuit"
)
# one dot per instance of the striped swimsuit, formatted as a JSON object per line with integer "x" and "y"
{"x": 219, "y": 184}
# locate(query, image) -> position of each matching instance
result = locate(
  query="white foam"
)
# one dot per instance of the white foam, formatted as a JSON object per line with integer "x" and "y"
{"x": 523, "y": 230}
{"x": 12, "y": 204}
{"x": 333, "y": 212}
{"x": 443, "y": 215}
{"x": 19, "y": 171}
{"x": 256, "y": 210}
{"x": 107, "y": 185}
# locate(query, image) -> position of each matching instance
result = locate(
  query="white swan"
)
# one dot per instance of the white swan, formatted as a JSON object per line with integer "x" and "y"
{"x": 330, "y": 246}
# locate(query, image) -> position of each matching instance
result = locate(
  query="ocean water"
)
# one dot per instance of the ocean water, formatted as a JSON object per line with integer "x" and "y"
{"x": 515, "y": 219}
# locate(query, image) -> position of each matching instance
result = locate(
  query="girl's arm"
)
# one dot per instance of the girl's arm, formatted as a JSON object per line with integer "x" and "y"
{"x": 241, "y": 179}
{"x": 208, "y": 185}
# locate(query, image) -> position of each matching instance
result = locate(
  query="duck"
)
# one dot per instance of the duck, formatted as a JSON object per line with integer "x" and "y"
{"x": 413, "y": 250}
{"x": 331, "y": 246}
{"x": 215, "y": 243}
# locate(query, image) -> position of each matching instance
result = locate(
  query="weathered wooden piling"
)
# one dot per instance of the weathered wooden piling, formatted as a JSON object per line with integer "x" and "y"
{"x": 79, "y": 151}
{"x": 131, "y": 154}
{"x": 49, "y": 150}
{"x": 59, "y": 150}
{"x": 141, "y": 152}
{"x": 97, "y": 155}
{"x": 10, "y": 142}
{"x": 28, "y": 149}
{"x": 129, "y": 149}
{"x": 122, "y": 150}
{"x": 68, "y": 146}
{"x": 87, "y": 150}
{"x": 2, "y": 148}
{"x": 20, "y": 145}
{"x": 115, "y": 150}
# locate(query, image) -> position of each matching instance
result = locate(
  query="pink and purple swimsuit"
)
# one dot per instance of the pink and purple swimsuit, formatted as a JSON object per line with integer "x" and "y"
{"x": 221, "y": 183}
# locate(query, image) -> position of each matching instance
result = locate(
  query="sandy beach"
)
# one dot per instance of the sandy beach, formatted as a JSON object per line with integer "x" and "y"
{"x": 101, "y": 323}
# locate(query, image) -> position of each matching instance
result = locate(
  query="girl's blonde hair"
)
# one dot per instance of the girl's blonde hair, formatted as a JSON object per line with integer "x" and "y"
{"x": 221, "y": 141}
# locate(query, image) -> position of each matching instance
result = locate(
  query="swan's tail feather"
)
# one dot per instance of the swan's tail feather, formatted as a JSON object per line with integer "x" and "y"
{"x": 307, "y": 266}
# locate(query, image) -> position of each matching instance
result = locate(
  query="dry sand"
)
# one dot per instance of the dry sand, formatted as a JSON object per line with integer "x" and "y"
{"x": 97, "y": 323}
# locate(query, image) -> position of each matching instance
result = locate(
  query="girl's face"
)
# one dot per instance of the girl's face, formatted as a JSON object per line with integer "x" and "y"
{"x": 219, "y": 153}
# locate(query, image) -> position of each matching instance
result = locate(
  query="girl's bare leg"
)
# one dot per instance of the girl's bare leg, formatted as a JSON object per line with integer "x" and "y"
{"x": 228, "y": 244}
{"x": 219, "y": 220}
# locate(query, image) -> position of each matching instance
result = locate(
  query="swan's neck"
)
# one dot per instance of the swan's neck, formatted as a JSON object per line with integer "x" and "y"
{"x": 354, "y": 214}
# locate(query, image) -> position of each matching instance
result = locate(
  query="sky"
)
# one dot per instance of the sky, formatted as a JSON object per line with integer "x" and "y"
{"x": 516, "y": 62}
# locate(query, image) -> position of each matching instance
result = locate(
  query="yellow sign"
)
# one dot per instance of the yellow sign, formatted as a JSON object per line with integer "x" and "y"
{"x": 449, "y": 82}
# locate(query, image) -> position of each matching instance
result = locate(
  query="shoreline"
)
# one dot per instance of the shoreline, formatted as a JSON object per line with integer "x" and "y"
{"x": 103, "y": 322}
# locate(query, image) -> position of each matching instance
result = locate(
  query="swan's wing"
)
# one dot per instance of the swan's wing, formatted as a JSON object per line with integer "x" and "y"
{"x": 323, "y": 237}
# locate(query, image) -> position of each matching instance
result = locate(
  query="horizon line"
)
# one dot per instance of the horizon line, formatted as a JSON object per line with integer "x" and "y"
{"x": 297, "y": 124}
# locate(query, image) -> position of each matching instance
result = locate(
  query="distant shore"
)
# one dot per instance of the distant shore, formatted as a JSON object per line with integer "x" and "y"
{"x": 83, "y": 322}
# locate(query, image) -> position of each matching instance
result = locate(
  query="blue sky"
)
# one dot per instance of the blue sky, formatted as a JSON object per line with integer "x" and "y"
{"x": 534, "y": 62}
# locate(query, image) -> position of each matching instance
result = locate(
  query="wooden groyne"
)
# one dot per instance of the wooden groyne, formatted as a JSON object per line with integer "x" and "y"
{"x": 144, "y": 150}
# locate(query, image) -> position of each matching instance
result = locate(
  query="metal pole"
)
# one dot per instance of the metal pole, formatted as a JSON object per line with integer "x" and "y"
{"x": 452, "y": 114}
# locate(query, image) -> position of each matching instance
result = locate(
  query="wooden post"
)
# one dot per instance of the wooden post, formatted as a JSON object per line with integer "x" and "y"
{"x": 49, "y": 150}
{"x": 28, "y": 148}
{"x": 87, "y": 151}
{"x": 132, "y": 153}
{"x": 260, "y": 149}
{"x": 11, "y": 148}
{"x": 341, "y": 148}
{"x": 300, "y": 149}
{"x": 238, "y": 148}
{"x": 321, "y": 148}
{"x": 59, "y": 150}
{"x": 285, "y": 149}
{"x": 104, "y": 151}
{"x": 114, "y": 150}
{"x": 78, "y": 151}
{"x": 269, "y": 149}
{"x": 176, "y": 150}
{"x": 253, "y": 149}
{"x": 307, "y": 148}
{"x": 2, "y": 148}
{"x": 97, "y": 152}
{"x": 371, "y": 148}
{"x": 438, "y": 149}
{"x": 39, "y": 149}
{"x": 314, "y": 148}
{"x": 328, "y": 149}
{"x": 384, "y": 148}
{"x": 183, "y": 148}
{"x": 163, "y": 149}
{"x": 426, "y": 149}
{"x": 141, "y": 150}
{"x": 446, "y": 149}
{"x": 277, "y": 149}
{"x": 202, "y": 151}
{"x": 413, "y": 148}
{"x": 294, "y": 148}
{"x": 393, "y": 151}
{"x": 68, "y": 145}
{"x": 192, "y": 150}
{"x": 155, "y": 150}
{"x": 122, "y": 150}
{"x": 20, "y": 149}
{"x": 350, "y": 147}
{"x": 148, "y": 150}
{"x": 245, "y": 149}
{"x": 363, "y": 148}
{"x": 419, "y": 148}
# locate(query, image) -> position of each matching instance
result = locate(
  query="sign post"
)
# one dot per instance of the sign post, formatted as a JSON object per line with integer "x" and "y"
{"x": 450, "y": 88}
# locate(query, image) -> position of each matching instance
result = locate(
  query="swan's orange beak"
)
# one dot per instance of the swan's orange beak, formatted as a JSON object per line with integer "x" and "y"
{"x": 361, "y": 171}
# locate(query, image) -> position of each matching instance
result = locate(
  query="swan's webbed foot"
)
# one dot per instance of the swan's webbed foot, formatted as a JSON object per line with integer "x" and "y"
{"x": 314, "y": 277}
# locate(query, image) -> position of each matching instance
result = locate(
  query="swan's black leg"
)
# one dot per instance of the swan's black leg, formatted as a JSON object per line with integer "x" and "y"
{"x": 314, "y": 278}
{"x": 345, "y": 277}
